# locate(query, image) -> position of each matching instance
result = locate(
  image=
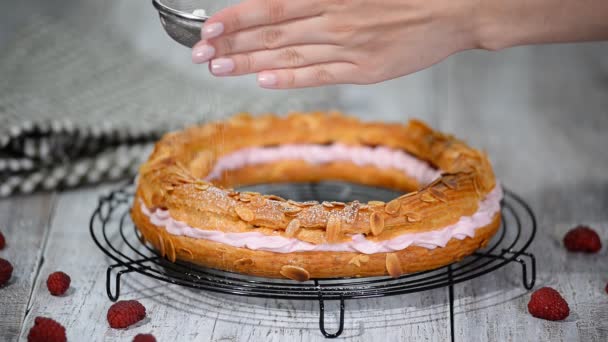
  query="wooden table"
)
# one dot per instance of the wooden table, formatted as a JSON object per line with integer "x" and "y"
{"x": 540, "y": 112}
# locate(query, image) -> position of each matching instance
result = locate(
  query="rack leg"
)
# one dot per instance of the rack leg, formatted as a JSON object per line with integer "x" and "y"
{"x": 451, "y": 300}
{"x": 113, "y": 295}
{"x": 322, "y": 316}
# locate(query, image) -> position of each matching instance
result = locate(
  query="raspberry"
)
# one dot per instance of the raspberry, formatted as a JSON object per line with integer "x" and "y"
{"x": 58, "y": 283}
{"x": 582, "y": 239}
{"x": 2, "y": 241}
{"x": 6, "y": 271}
{"x": 125, "y": 313}
{"x": 546, "y": 303}
{"x": 144, "y": 338}
{"x": 606, "y": 288}
{"x": 46, "y": 330}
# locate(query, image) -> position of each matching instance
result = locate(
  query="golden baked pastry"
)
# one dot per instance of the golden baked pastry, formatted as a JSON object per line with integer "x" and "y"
{"x": 185, "y": 205}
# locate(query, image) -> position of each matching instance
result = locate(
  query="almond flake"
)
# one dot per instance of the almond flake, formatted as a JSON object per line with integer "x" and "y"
{"x": 295, "y": 273}
{"x": 275, "y": 198}
{"x": 376, "y": 223}
{"x": 375, "y": 203}
{"x": 290, "y": 211}
{"x": 187, "y": 251}
{"x": 439, "y": 195}
{"x": 355, "y": 261}
{"x": 476, "y": 186}
{"x": 393, "y": 265}
{"x": 245, "y": 213}
{"x": 292, "y": 227}
{"x": 450, "y": 182}
{"x": 428, "y": 198}
{"x": 338, "y": 204}
{"x": 409, "y": 194}
{"x": 393, "y": 207}
{"x": 413, "y": 217}
{"x": 201, "y": 186}
{"x": 327, "y": 204}
{"x": 171, "y": 255}
{"x": 364, "y": 258}
{"x": 332, "y": 232}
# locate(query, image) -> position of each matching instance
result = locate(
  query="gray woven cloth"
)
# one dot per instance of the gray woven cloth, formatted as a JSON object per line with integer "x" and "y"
{"x": 80, "y": 104}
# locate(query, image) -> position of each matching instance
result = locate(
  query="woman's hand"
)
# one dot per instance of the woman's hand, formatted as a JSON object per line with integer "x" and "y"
{"x": 306, "y": 43}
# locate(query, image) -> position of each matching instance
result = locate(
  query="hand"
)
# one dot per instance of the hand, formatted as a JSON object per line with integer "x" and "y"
{"x": 306, "y": 43}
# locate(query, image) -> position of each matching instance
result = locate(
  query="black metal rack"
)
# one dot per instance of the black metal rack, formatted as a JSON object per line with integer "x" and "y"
{"x": 114, "y": 233}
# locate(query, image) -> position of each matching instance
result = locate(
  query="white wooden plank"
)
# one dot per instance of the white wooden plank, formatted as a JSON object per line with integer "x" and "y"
{"x": 24, "y": 222}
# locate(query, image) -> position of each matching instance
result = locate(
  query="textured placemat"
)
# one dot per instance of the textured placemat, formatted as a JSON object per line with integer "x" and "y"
{"x": 83, "y": 108}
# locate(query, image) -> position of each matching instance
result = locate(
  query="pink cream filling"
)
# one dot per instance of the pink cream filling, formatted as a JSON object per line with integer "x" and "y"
{"x": 381, "y": 157}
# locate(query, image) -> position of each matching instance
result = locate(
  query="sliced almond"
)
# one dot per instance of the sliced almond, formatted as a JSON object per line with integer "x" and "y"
{"x": 186, "y": 251}
{"x": 428, "y": 197}
{"x": 243, "y": 262}
{"x": 375, "y": 203}
{"x": 409, "y": 194}
{"x": 413, "y": 217}
{"x": 292, "y": 227}
{"x": 170, "y": 248}
{"x": 201, "y": 186}
{"x": 275, "y": 198}
{"x": 338, "y": 204}
{"x": 290, "y": 211}
{"x": 355, "y": 261}
{"x": 332, "y": 232}
{"x": 295, "y": 273}
{"x": 244, "y": 213}
{"x": 439, "y": 195}
{"x": 257, "y": 201}
{"x": 161, "y": 245}
{"x": 450, "y": 182}
{"x": 364, "y": 258}
{"x": 393, "y": 207}
{"x": 309, "y": 203}
{"x": 393, "y": 266}
{"x": 327, "y": 204}
{"x": 476, "y": 186}
{"x": 376, "y": 223}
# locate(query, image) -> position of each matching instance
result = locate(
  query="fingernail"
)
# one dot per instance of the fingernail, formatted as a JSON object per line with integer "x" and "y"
{"x": 212, "y": 30}
{"x": 222, "y": 66}
{"x": 202, "y": 53}
{"x": 267, "y": 79}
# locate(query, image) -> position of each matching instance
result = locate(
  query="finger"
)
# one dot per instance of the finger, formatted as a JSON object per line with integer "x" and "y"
{"x": 296, "y": 32}
{"x": 289, "y": 57}
{"x": 310, "y": 76}
{"x": 251, "y": 13}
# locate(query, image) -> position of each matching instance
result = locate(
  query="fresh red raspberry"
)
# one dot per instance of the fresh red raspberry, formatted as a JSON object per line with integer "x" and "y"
{"x": 46, "y": 330}
{"x": 2, "y": 241}
{"x": 144, "y": 338}
{"x": 6, "y": 271}
{"x": 125, "y": 313}
{"x": 582, "y": 239}
{"x": 546, "y": 303}
{"x": 58, "y": 283}
{"x": 606, "y": 288}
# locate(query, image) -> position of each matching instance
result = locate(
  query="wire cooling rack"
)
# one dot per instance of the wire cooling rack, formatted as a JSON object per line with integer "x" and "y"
{"x": 115, "y": 234}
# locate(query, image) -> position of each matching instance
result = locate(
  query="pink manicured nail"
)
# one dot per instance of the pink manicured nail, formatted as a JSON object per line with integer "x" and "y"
{"x": 212, "y": 30}
{"x": 267, "y": 79}
{"x": 202, "y": 53}
{"x": 222, "y": 66}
